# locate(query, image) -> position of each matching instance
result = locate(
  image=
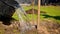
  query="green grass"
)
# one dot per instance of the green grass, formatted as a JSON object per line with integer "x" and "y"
{"x": 50, "y": 10}
{"x": 15, "y": 16}
{"x": 29, "y": 15}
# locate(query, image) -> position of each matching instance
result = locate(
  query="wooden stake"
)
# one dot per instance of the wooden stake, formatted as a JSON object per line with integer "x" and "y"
{"x": 38, "y": 22}
{"x": 33, "y": 11}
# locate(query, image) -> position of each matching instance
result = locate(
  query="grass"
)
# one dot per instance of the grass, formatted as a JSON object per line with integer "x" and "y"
{"x": 50, "y": 10}
{"x": 15, "y": 16}
{"x": 29, "y": 15}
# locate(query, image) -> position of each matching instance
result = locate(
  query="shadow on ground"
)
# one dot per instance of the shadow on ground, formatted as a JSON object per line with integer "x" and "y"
{"x": 48, "y": 16}
{"x": 6, "y": 20}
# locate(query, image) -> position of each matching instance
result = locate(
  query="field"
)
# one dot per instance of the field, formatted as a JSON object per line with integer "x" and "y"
{"x": 52, "y": 12}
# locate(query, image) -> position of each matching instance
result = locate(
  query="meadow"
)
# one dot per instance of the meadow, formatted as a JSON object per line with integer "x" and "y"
{"x": 52, "y": 12}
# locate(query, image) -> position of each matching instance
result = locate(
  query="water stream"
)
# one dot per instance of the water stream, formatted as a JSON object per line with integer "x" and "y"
{"x": 23, "y": 20}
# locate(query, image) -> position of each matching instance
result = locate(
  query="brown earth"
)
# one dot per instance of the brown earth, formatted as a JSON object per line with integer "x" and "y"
{"x": 13, "y": 28}
{"x": 30, "y": 11}
{"x": 46, "y": 27}
{"x": 49, "y": 27}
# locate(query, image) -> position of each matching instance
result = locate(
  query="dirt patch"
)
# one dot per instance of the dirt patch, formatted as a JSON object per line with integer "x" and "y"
{"x": 35, "y": 11}
{"x": 49, "y": 27}
{"x": 46, "y": 27}
{"x": 13, "y": 28}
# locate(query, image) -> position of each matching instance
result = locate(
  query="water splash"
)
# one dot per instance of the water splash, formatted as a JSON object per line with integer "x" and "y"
{"x": 24, "y": 21}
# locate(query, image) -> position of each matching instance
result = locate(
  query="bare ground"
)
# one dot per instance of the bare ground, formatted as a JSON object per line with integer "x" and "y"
{"x": 49, "y": 27}
{"x": 13, "y": 29}
{"x": 46, "y": 27}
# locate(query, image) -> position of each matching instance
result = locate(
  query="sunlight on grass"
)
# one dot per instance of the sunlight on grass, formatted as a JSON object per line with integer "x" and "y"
{"x": 15, "y": 16}
{"x": 50, "y": 10}
{"x": 31, "y": 16}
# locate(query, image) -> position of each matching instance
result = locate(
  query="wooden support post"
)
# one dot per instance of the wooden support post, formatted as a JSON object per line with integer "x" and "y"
{"x": 33, "y": 11}
{"x": 38, "y": 22}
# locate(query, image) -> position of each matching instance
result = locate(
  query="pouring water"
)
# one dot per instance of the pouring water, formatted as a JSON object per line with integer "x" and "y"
{"x": 23, "y": 20}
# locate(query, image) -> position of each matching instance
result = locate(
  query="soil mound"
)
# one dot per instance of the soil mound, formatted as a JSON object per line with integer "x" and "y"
{"x": 35, "y": 11}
